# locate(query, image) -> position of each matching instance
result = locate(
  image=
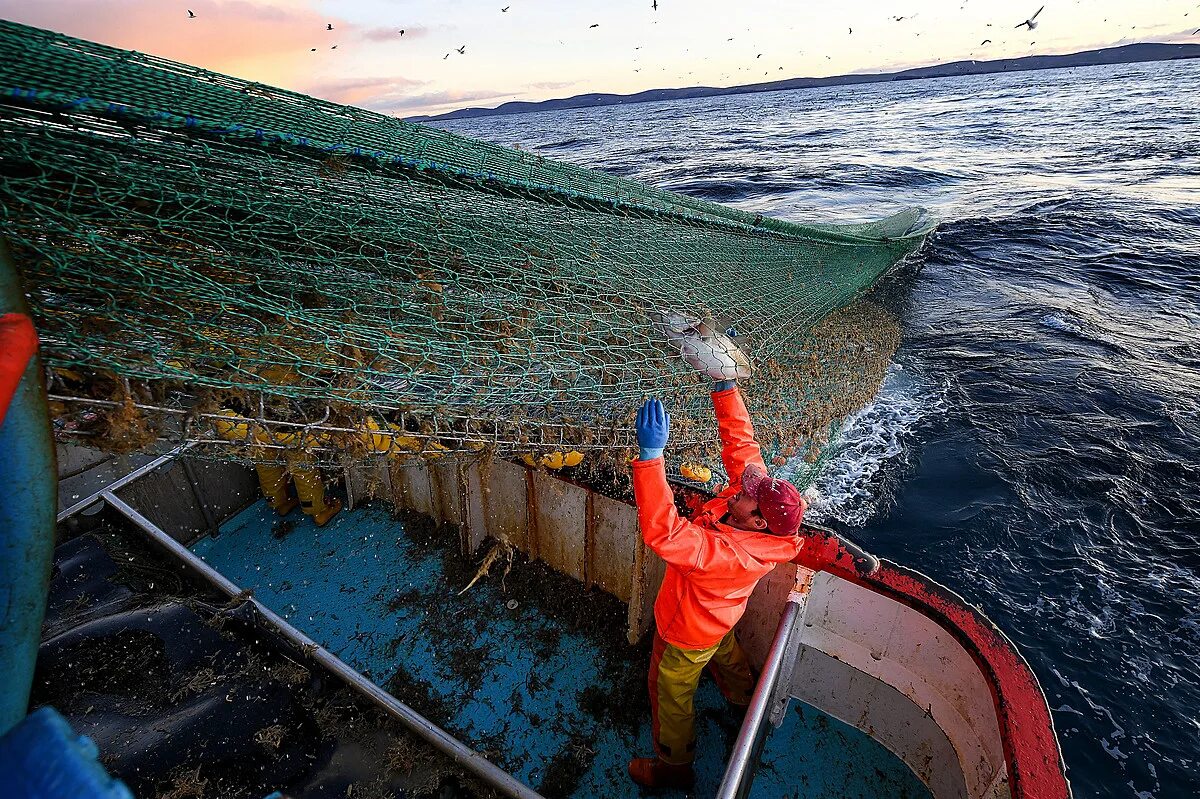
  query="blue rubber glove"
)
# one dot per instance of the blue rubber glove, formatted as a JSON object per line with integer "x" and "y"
{"x": 653, "y": 429}
{"x": 723, "y": 385}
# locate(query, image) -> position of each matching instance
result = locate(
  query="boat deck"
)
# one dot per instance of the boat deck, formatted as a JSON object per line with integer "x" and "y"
{"x": 534, "y": 673}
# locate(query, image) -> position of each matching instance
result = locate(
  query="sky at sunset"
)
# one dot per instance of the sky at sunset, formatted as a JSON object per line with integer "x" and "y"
{"x": 540, "y": 49}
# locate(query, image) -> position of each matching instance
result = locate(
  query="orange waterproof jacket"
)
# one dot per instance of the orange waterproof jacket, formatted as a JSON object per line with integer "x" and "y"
{"x": 712, "y": 568}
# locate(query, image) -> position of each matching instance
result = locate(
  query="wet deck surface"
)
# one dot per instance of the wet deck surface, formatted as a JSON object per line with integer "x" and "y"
{"x": 543, "y": 696}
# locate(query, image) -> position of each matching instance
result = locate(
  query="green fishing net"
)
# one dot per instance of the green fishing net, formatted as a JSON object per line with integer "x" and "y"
{"x": 257, "y": 271}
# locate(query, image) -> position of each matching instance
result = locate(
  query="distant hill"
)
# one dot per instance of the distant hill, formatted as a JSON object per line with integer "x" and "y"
{"x": 1125, "y": 54}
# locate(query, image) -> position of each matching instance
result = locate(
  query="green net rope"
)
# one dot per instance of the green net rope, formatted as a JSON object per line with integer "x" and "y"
{"x": 196, "y": 244}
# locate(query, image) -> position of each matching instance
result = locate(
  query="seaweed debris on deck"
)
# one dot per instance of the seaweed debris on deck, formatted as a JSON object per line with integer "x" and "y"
{"x": 187, "y": 695}
{"x": 527, "y": 666}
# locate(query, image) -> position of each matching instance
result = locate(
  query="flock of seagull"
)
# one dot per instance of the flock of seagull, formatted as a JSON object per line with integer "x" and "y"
{"x": 1031, "y": 23}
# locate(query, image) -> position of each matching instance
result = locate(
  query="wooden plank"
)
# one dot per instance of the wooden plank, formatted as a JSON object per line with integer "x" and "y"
{"x": 561, "y": 524}
{"x": 412, "y": 486}
{"x": 614, "y": 547}
{"x": 506, "y": 503}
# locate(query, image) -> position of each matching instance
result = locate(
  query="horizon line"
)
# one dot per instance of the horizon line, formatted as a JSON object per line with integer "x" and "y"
{"x": 753, "y": 88}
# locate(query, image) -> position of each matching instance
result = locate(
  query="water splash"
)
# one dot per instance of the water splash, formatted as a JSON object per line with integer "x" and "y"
{"x": 852, "y": 487}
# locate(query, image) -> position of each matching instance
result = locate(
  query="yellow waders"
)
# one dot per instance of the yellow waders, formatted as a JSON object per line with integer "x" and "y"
{"x": 674, "y": 675}
{"x": 274, "y": 483}
{"x": 310, "y": 489}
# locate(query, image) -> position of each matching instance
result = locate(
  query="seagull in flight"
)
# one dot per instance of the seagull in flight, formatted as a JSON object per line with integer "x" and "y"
{"x": 505, "y": 9}
{"x": 462, "y": 50}
{"x": 1031, "y": 22}
{"x": 597, "y": 25}
{"x": 328, "y": 26}
{"x": 402, "y": 31}
{"x": 654, "y": 5}
{"x": 191, "y": 14}
{"x": 985, "y": 41}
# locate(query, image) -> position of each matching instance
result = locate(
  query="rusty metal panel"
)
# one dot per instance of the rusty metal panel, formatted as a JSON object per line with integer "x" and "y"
{"x": 561, "y": 522}
{"x": 355, "y": 480}
{"x": 90, "y": 481}
{"x": 367, "y": 481}
{"x": 614, "y": 545}
{"x": 474, "y": 527}
{"x": 648, "y": 573}
{"x": 225, "y": 487}
{"x": 73, "y": 459}
{"x": 506, "y": 503}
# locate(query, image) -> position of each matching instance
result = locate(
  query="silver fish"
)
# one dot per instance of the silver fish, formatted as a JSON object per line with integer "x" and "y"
{"x": 704, "y": 346}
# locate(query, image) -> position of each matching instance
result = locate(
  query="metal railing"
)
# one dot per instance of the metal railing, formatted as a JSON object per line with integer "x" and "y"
{"x": 439, "y": 739}
{"x": 743, "y": 761}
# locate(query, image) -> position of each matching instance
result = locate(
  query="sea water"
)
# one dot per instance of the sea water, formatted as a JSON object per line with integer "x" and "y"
{"x": 1036, "y": 446}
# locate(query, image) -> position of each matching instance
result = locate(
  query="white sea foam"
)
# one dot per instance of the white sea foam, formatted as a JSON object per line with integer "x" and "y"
{"x": 1056, "y": 322}
{"x": 849, "y": 488}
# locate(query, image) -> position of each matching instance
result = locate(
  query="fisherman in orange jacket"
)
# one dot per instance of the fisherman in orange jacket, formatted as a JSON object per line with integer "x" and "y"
{"x": 713, "y": 563}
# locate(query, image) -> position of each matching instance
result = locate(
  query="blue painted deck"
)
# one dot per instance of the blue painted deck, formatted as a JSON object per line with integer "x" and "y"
{"x": 511, "y": 683}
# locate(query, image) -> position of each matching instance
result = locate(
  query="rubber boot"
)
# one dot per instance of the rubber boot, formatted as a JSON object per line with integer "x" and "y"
{"x": 311, "y": 491}
{"x": 274, "y": 484}
{"x": 650, "y": 772}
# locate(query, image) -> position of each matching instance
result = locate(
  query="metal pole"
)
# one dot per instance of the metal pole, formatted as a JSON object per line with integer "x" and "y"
{"x": 438, "y": 738}
{"x": 28, "y": 499}
{"x": 739, "y": 774}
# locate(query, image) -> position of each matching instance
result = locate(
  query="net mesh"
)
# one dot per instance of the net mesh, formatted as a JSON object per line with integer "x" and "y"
{"x": 224, "y": 262}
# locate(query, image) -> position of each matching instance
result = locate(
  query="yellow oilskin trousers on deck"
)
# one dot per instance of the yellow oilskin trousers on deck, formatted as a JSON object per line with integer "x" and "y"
{"x": 674, "y": 675}
{"x": 274, "y": 483}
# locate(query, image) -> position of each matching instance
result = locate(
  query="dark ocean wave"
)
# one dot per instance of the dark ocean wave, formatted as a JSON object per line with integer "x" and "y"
{"x": 733, "y": 189}
{"x": 564, "y": 144}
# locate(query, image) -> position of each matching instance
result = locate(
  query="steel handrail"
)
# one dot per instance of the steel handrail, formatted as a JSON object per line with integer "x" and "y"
{"x": 743, "y": 761}
{"x": 436, "y": 737}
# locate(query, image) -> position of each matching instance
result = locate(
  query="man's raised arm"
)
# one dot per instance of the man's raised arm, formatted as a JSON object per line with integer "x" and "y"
{"x": 738, "y": 447}
{"x": 673, "y": 538}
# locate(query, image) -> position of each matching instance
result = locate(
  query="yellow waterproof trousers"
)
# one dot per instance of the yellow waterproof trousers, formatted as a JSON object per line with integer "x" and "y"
{"x": 674, "y": 675}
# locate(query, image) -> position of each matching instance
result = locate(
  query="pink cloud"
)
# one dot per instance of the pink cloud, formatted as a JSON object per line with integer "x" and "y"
{"x": 270, "y": 41}
{"x": 365, "y": 92}
{"x": 552, "y": 84}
